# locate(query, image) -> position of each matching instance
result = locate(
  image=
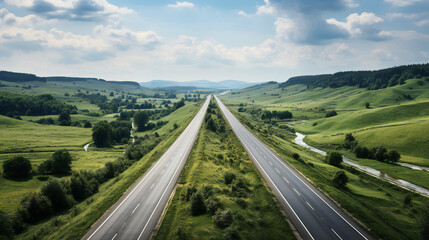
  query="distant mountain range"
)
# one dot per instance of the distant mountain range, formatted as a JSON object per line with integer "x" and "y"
{"x": 203, "y": 84}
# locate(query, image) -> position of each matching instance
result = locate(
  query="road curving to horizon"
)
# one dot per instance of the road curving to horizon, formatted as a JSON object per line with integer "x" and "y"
{"x": 136, "y": 214}
{"x": 313, "y": 214}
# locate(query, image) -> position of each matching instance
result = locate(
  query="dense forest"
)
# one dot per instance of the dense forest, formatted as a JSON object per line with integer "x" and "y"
{"x": 13, "y": 104}
{"x": 371, "y": 80}
{"x": 19, "y": 77}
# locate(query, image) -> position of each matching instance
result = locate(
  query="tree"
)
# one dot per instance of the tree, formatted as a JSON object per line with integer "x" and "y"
{"x": 179, "y": 104}
{"x": 141, "y": 118}
{"x": 64, "y": 116}
{"x": 6, "y": 227}
{"x": 198, "y": 206}
{"x": 17, "y": 167}
{"x": 223, "y": 219}
{"x": 87, "y": 124}
{"x": 102, "y": 134}
{"x": 55, "y": 192}
{"x": 213, "y": 204}
{"x": 45, "y": 167}
{"x": 35, "y": 207}
{"x": 349, "y": 137}
{"x": 334, "y": 159}
{"x": 229, "y": 177}
{"x": 211, "y": 125}
{"x": 284, "y": 115}
{"x": 331, "y": 113}
{"x": 393, "y": 156}
{"x": 367, "y": 105}
{"x": 380, "y": 154}
{"x": 340, "y": 179}
{"x": 112, "y": 94}
{"x": 61, "y": 162}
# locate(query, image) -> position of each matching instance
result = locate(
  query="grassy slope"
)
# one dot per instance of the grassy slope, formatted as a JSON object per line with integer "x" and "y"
{"x": 377, "y": 204}
{"x": 37, "y": 143}
{"x": 22, "y": 136}
{"x": 74, "y": 223}
{"x": 392, "y": 121}
{"x": 260, "y": 220}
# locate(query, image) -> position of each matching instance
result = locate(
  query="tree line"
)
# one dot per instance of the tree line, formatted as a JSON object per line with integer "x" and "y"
{"x": 371, "y": 80}
{"x": 13, "y": 104}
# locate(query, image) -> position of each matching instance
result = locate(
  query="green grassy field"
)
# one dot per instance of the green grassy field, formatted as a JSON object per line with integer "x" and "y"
{"x": 22, "y": 136}
{"x": 376, "y": 204}
{"x": 37, "y": 143}
{"x": 214, "y": 154}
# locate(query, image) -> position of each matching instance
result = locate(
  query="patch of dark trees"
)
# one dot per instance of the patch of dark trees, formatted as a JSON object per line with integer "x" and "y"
{"x": 371, "y": 80}
{"x": 102, "y": 101}
{"x": 105, "y": 134}
{"x": 19, "y": 77}
{"x": 214, "y": 113}
{"x": 59, "y": 195}
{"x": 380, "y": 153}
{"x": 13, "y": 104}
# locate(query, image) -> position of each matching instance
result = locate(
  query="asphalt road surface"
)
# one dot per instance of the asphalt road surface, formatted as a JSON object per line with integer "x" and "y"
{"x": 136, "y": 214}
{"x": 314, "y": 215}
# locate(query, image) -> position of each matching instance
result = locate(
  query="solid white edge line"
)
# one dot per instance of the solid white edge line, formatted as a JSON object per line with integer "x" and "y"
{"x": 114, "y": 236}
{"x": 171, "y": 179}
{"x": 148, "y": 173}
{"x": 271, "y": 180}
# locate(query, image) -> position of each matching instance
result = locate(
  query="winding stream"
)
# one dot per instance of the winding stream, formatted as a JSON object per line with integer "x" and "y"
{"x": 371, "y": 171}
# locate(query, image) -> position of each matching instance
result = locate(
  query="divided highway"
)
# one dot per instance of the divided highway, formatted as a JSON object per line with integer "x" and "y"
{"x": 136, "y": 214}
{"x": 314, "y": 215}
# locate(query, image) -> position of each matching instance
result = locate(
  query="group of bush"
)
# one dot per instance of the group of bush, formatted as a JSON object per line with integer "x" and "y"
{"x": 20, "y": 167}
{"x": 378, "y": 153}
{"x": 14, "y": 104}
{"x": 204, "y": 201}
{"x": 212, "y": 113}
{"x": 281, "y": 115}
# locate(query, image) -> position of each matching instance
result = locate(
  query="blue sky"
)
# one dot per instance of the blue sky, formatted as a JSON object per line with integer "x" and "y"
{"x": 262, "y": 40}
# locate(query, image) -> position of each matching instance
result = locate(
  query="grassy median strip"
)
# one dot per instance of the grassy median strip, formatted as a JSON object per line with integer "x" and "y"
{"x": 220, "y": 194}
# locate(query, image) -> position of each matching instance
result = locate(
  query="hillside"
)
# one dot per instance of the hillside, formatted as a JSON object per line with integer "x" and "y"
{"x": 397, "y": 117}
{"x": 371, "y": 80}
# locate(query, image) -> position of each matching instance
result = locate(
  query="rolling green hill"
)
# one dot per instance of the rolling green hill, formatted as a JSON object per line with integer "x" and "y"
{"x": 397, "y": 116}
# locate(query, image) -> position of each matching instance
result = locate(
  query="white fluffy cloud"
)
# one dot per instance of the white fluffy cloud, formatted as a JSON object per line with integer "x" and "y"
{"x": 81, "y": 10}
{"x": 364, "y": 25}
{"x": 9, "y": 19}
{"x": 183, "y": 4}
